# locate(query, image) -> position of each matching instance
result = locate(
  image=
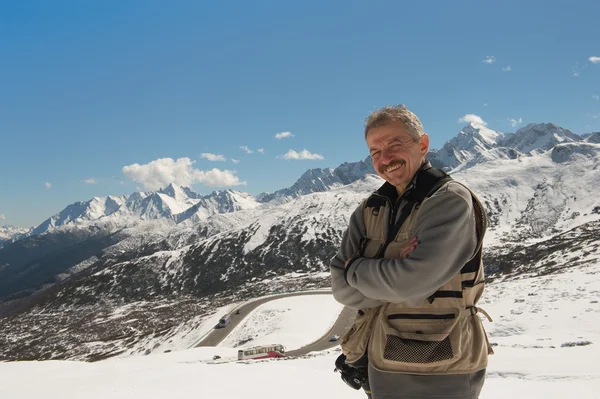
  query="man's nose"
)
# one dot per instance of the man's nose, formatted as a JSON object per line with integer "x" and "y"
{"x": 385, "y": 156}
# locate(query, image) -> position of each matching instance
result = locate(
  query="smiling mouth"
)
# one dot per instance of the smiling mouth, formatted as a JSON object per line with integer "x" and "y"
{"x": 393, "y": 167}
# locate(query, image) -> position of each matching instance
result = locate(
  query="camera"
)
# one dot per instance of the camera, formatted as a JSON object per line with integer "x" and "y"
{"x": 354, "y": 377}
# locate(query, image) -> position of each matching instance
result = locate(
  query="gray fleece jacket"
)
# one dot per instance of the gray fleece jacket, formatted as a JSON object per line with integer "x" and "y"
{"x": 445, "y": 227}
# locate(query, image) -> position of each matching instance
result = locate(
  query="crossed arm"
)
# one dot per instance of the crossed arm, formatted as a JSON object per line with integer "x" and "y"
{"x": 445, "y": 228}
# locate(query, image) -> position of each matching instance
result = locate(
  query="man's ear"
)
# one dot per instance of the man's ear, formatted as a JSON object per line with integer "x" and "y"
{"x": 424, "y": 144}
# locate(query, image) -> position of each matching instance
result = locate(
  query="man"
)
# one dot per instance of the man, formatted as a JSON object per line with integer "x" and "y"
{"x": 410, "y": 262}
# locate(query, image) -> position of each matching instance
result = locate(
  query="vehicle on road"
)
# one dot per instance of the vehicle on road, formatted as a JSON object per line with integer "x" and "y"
{"x": 262, "y": 352}
{"x": 334, "y": 338}
{"x": 224, "y": 321}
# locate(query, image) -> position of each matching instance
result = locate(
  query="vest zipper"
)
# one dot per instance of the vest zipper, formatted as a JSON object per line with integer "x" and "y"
{"x": 391, "y": 232}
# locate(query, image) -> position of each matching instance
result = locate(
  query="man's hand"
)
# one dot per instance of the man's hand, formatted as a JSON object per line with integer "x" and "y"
{"x": 404, "y": 251}
{"x": 409, "y": 247}
{"x": 347, "y": 261}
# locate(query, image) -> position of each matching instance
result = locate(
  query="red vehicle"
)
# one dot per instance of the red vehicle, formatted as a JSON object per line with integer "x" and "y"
{"x": 262, "y": 352}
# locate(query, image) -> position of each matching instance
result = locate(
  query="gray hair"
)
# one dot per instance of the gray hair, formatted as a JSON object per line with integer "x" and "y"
{"x": 395, "y": 113}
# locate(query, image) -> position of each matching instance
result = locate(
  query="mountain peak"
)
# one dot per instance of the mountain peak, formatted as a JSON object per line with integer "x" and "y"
{"x": 219, "y": 201}
{"x": 482, "y": 132}
{"x": 176, "y": 191}
{"x": 322, "y": 179}
{"x": 536, "y": 138}
{"x": 472, "y": 141}
{"x": 474, "y": 125}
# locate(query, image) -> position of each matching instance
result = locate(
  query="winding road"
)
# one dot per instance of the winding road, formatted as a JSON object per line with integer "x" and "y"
{"x": 341, "y": 325}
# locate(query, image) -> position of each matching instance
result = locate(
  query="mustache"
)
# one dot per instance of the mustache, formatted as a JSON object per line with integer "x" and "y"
{"x": 400, "y": 162}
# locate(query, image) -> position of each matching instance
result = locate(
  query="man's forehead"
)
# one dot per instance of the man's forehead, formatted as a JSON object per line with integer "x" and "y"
{"x": 387, "y": 134}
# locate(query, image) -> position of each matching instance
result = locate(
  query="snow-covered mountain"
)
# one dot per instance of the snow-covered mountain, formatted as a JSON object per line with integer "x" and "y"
{"x": 12, "y": 233}
{"x": 544, "y": 217}
{"x": 476, "y": 143}
{"x": 223, "y": 201}
{"x": 81, "y": 212}
{"x": 537, "y": 138}
{"x": 473, "y": 145}
{"x": 319, "y": 180}
{"x": 174, "y": 203}
{"x": 473, "y": 140}
{"x": 181, "y": 204}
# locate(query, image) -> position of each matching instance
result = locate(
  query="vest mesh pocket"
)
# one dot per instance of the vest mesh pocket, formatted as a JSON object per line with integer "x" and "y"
{"x": 414, "y": 351}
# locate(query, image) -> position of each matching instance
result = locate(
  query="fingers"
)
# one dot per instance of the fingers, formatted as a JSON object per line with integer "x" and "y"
{"x": 414, "y": 241}
{"x": 409, "y": 247}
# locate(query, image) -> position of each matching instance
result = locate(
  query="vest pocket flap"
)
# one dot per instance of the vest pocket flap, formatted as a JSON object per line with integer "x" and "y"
{"x": 418, "y": 336}
{"x": 354, "y": 343}
{"x": 423, "y": 326}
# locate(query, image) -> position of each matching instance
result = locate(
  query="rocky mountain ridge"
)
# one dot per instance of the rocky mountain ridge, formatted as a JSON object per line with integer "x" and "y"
{"x": 474, "y": 144}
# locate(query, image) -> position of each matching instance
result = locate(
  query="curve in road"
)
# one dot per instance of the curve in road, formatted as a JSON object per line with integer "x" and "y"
{"x": 341, "y": 325}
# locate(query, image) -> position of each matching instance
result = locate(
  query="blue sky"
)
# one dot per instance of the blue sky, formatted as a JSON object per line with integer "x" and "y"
{"x": 90, "y": 89}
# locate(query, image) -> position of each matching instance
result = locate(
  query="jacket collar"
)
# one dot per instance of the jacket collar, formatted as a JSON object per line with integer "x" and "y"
{"x": 389, "y": 191}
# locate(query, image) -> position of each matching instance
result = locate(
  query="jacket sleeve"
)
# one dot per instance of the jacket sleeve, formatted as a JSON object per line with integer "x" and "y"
{"x": 351, "y": 240}
{"x": 445, "y": 227}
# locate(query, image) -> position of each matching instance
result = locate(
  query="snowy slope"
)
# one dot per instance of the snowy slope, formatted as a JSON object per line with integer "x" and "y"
{"x": 265, "y": 325}
{"x": 545, "y": 337}
{"x": 541, "y": 195}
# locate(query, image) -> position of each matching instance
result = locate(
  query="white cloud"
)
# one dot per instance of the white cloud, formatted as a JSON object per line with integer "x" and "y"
{"x": 246, "y": 149}
{"x": 515, "y": 122}
{"x": 594, "y": 60}
{"x": 90, "y": 181}
{"x": 485, "y": 105}
{"x": 507, "y": 68}
{"x": 212, "y": 157}
{"x": 304, "y": 154}
{"x": 261, "y": 150}
{"x": 2, "y": 217}
{"x": 161, "y": 172}
{"x": 472, "y": 118}
{"x": 48, "y": 185}
{"x": 283, "y": 135}
{"x": 235, "y": 160}
{"x": 219, "y": 178}
{"x": 595, "y": 97}
{"x": 489, "y": 59}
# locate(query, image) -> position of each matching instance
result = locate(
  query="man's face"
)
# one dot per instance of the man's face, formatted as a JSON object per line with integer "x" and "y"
{"x": 396, "y": 156}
